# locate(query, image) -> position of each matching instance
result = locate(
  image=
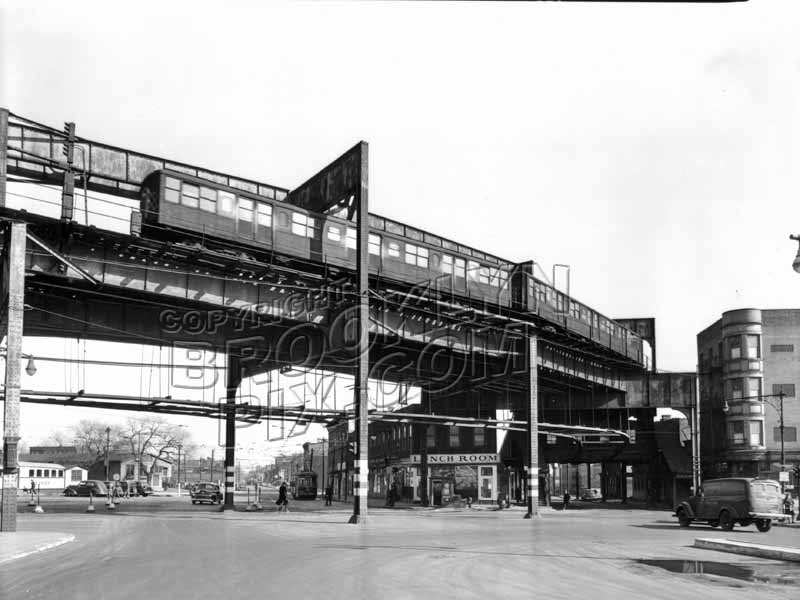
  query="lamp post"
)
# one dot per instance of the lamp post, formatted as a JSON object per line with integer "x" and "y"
{"x": 179, "y": 469}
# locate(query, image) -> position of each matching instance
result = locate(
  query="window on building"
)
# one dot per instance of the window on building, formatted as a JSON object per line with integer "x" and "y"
{"x": 754, "y": 387}
{"x": 736, "y": 389}
{"x": 756, "y": 436}
{"x": 453, "y": 437}
{"x": 302, "y": 225}
{"x": 755, "y": 409}
{"x": 735, "y": 347}
{"x": 753, "y": 345}
{"x": 480, "y": 437}
{"x": 430, "y": 435}
{"x": 264, "y": 215}
{"x": 374, "y": 244}
{"x": 787, "y": 389}
{"x": 789, "y": 434}
{"x": 38, "y": 472}
{"x": 416, "y": 255}
{"x": 60, "y": 473}
{"x": 781, "y": 348}
{"x": 30, "y": 472}
{"x": 736, "y": 432}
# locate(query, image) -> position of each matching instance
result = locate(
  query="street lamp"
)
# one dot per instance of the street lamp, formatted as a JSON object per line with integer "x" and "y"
{"x": 796, "y": 262}
{"x": 780, "y": 413}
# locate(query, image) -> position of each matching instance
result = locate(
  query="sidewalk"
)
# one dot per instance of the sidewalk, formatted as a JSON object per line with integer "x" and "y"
{"x": 19, "y": 544}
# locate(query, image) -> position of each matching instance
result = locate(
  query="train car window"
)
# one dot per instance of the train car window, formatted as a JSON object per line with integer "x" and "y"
{"x": 264, "y": 215}
{"x": 465, "y": 250}
{"x": 433, "y": 240}
{"x": 351, "y": 238}
{"x": 460, "y": 268}
{"x": 416, "y": 255}
{"x": 479, "y": 255}
{"x": 586, "y": 316}
{"x": 392, "y": 227}
{"x": 334, "y": 233}
{"x": 447, "y": 264}
{"x": 280, "y": 195}
{"x": 225, "y": 202}
{"x": 374, "y": 244}
{"x": 208, "y": 199}
{"x": 267, "y": 192}
{"x": 245, "y": 209}
{"x": 173, "y": 189}
{"x": 449, "y": 245}
{"x": 574, "y": 309}
{"x": 393, "y": 249}
{"x": 190, "y": 195}
{"x": 473, "y": 269}
{"x": 500, "y": 277}
{"x": 483, "y": 275}
{"x": 413, "y": 234}
{"x": 302, "y": 225}
{"x": 376, "y": 222}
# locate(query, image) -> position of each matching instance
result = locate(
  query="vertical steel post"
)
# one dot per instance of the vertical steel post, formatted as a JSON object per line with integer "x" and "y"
{"x": 783, "y": 455}
{"x": 361, "y": 471}
{"x": 233, "y": 378}
{"x": 533, "y": 429}
{"x": 14, "y": 290}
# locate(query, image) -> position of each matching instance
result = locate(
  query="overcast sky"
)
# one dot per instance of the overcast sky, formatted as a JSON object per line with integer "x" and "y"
{"x": 652, "y": 147}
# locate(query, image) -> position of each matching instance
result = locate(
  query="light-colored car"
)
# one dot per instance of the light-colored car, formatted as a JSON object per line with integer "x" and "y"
{"x": 591, "y": 494}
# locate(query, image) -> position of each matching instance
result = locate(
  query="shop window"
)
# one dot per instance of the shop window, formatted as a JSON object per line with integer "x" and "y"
{"x": 374, "y": 244}
{"x": 430, "y": 435}
{"x": 417, "y": 255}
{"x": 208, "y": 199}
{"x": 789, "y": 434}
{"x": 787, "y": 389}
{"x": 735, "y": 347}
{"x": 753, "y": 346}
{"x": 453, "y": 437}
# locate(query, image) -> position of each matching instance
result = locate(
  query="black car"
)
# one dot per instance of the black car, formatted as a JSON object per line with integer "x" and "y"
{"x": 206, "y": 492}
{"x": 90, "y": 487}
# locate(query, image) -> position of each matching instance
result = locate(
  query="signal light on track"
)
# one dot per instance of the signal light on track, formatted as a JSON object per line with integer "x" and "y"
{"x": 69, "y": 143}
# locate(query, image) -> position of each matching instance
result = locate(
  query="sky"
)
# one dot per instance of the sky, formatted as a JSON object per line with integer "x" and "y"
{"x": 651, "y": 147}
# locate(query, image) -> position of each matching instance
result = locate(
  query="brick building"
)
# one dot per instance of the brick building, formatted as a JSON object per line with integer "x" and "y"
{"x": 749, "y": 366}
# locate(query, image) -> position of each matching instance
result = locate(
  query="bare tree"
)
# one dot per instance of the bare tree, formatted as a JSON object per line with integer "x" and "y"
{"x": 91, "y": 438}
{"x": 149, "y": 440}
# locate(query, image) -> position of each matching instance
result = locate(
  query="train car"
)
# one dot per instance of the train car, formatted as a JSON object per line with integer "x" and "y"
{"x": 304, "y": 485}
{"x": 175, "y": 204}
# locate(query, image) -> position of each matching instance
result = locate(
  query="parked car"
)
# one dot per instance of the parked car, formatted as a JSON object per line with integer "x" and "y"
{"x": 726, "y": 502}
{"x": 591, "y": 494}
{"x": 93, "y": 487}
{"x": 206, "y": 492}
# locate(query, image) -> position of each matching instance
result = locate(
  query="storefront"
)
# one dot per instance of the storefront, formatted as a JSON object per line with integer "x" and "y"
{"x": 470, "y": 475}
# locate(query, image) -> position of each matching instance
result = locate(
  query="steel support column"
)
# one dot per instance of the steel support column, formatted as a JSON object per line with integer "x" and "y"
{"x": 3, "y": 154}
{"x": 233, "y": 377}
{"x": 533, "y": 430}
{"x": 13, "y": 285}
{"x": 361, "y": 471}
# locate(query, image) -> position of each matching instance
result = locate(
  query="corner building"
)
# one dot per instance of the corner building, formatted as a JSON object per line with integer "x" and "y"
{"x": 748, "y": 361}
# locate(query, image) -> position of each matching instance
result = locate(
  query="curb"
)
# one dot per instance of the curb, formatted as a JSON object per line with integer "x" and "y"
{"x": 60, "y": 542}
{"x": 774, "y": 552}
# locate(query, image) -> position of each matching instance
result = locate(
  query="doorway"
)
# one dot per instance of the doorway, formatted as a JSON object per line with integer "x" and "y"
{"x": 436, "y": 495}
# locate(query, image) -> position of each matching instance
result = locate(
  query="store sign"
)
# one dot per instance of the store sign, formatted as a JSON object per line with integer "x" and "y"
{"x": 457, "y": 459}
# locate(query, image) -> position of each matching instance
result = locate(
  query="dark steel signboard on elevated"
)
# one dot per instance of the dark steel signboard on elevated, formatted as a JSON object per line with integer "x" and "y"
{"x": 338, "y": 184}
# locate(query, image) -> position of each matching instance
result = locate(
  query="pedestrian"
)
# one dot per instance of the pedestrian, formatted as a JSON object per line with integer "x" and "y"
{"x": 33, "y": 487}
{"x": 566, "y": 500}
{"x": 283, "y": 500}
{"x": 788, "y": 506}
{"x": 329, "y": 494}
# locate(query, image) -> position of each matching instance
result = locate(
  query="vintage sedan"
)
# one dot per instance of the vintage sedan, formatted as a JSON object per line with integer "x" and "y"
{"x": 206, "y": 492}
{"x": 90, "y": 487}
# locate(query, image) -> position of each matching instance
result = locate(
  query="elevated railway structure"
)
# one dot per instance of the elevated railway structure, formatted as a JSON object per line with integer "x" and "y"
{"x": 168, "y": 253}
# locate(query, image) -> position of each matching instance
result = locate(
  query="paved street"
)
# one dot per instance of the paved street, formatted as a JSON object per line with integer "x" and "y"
{"x": 163, "y": 547}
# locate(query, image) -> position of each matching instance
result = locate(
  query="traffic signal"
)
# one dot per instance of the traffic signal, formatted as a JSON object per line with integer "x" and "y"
{"x": 69, "y": 142}
{"x": 352, "y": 448}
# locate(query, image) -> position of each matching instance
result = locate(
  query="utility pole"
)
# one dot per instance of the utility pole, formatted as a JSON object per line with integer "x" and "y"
{"x": 212, "y": 466}
{"x": 783, "y": 454}
{"x": 179, "y": 468}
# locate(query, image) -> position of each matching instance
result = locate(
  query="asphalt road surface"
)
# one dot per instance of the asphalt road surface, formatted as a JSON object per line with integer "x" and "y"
{"x": 161, "y": 547}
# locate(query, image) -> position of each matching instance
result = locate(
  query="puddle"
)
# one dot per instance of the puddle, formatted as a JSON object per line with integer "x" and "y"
{"x": 778, "y": 574}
